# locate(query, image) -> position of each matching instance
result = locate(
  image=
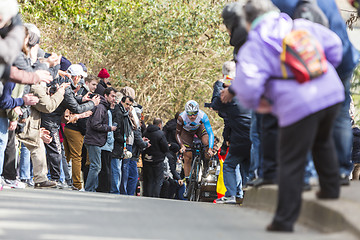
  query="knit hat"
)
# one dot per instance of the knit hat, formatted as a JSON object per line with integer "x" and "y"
{"x": 103, "y": 73}
{"x": 232, "y": 15}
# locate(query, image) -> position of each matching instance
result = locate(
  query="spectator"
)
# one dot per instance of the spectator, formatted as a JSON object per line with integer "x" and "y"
{"x": 121, "y": 118}
{"x": 51, "y": 121}
{"x": 153, "y": 161}
{"x": 170, "y": 129}
{"x": 104, "y": 81}
{"x": 74, "y": 134}
{"x": 140, "y": 143}
{"x": 257, "y": 85}
{"x": 238, "y": 119}
{"x": 96, "y": 136}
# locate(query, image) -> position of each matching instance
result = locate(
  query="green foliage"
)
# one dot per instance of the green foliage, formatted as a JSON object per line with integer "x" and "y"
{"x": 168, "y": 51}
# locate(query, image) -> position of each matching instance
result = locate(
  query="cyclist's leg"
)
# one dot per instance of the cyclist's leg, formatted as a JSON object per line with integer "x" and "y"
{"x": 187, "y": 163}
{"x": 187, "y": 139}
{"x": 201, "y": 132}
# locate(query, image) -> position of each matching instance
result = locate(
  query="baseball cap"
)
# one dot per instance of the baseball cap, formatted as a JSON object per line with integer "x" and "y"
{"x": 77, "y": 70}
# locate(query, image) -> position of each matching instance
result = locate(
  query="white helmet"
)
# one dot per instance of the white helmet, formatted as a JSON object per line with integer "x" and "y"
{"x": 192, "y": 107}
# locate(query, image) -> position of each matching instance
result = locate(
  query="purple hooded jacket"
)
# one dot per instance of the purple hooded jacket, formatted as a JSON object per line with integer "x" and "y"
{"x": 258, "y": 71}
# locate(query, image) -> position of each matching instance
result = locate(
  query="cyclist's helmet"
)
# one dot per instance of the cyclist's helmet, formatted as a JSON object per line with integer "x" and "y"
{"x": 191, "y": 108}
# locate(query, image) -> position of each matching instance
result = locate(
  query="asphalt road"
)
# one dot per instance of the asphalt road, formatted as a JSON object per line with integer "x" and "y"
{"x": 60, "y": 214}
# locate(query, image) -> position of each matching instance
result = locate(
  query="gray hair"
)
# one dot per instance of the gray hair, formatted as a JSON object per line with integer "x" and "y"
{"x": 32, "y": 29}
{"x": 256, "y": 8}
{"x": 229, "y": 68}
{"x": 8, "y": 9}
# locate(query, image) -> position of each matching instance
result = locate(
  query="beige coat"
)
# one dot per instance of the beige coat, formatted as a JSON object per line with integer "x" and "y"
{"x": 46, "y": 104}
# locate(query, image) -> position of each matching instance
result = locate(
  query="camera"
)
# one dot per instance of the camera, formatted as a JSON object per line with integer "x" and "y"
{"x": 207, "y": 105}
{"x": 91, "y": 95}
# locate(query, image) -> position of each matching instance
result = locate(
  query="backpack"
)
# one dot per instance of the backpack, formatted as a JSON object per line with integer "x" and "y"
{"x": 304, "y": 55}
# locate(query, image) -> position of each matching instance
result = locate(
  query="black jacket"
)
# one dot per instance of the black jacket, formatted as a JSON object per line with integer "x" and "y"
{"x": 80, "y": 125}
{"x": 120, "y": 117}
{"x": 159, "y": 145}
{"x": 171, "y": 155}
{"x": 139, "y": 144}
{"x": 170, "y": 131}
{"x": 97, "y": 125}
{"x": 101, "y": 88}
{"x": 239, "y": 120}
{"x": 71, "y": 102}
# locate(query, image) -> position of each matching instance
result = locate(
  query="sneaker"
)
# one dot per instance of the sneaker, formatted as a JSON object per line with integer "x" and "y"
{"x": 14, "y": 183}
{"x": 45, "y": 184}
{"x": 226, "y": 200}
{"x": 28, "y": 182}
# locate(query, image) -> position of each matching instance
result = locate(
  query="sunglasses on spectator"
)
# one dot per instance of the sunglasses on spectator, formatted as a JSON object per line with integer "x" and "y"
{"x": 192, "y": 113}
{"x": 128, "y": 104}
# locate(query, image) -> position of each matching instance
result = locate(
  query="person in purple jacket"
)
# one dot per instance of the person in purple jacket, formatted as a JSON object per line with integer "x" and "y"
{"x": 342, "y": 131}
{"x": 305, "y": 112}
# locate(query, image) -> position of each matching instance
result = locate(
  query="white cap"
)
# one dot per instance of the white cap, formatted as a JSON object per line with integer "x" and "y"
{"x": 76, "y": 70}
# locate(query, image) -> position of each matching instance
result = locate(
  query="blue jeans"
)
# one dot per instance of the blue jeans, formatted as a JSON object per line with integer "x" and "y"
{"x": 95, "y": 167}
{"x": 133, "y": 177}
{"x": 342, "y": 133}
{"x": 125, "y": 173}
{"x": 115, "y": 175}
{"x": 255, "y": 147}
{"x": 309, "y": 169}
{"x": 25, "y": 163}
{"x": 231, "y": 175}
{"x": 4, "y": 125}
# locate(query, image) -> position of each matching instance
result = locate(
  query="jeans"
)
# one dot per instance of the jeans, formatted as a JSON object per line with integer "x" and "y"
{"x": 309, "y": 169}
{"x": 255, "y": 146}
{"x": 125, "y": 173}
{"x": 115, "y": 175}
{"x": 64, "y": 168}
{"x": 4, "y": 124}
{"x": 95, "y": 167}
{"x": 231, "y": 176}
{"x": 239, "y": 191}
{"x": 342, "y": 133}
{"x": 25, "y": 163}
{"x": 133, "y": 177}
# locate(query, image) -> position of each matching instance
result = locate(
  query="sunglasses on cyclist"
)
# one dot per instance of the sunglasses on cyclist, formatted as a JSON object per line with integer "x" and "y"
{"x": 192, "y": 113}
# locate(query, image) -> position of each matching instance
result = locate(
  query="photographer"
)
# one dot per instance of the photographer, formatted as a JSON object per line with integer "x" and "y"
{"x": 75, "y": 131}
{"x": 51, "y": 121}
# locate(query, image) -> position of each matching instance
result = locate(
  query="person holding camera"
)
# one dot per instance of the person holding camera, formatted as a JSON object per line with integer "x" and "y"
{"x": 51, "y": 121}
{"x": 120, "y": 152}
{"x": 96, "y": 136}
{"x": 75, "y": 131}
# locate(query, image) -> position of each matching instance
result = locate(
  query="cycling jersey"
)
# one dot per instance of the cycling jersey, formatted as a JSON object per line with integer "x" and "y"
{"x": 201, "y": 118}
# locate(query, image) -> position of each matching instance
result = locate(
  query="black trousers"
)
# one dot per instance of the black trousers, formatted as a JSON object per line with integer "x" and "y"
{"x": 268, "y": 142}
{"x": 169, "y": 188}
{"x": 54, "y": 154}
{"x": 153, "y": 176}
{"x": 313, "y": 133}
{"x": 105, "y": 173}
{"x": 9, "y": 170}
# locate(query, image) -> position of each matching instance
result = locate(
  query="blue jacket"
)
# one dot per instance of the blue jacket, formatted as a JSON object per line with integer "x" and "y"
{"x": 337, "y": 25}
{"x": 6, "y": 101}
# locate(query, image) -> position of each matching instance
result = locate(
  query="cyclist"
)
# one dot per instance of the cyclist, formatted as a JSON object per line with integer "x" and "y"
{"x": 190, "y": 122}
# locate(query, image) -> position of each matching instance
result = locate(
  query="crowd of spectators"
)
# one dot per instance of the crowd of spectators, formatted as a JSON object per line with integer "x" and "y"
{"x": 62, "y": 127}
